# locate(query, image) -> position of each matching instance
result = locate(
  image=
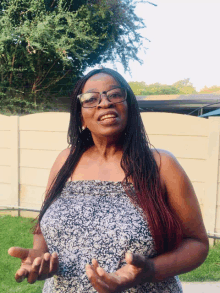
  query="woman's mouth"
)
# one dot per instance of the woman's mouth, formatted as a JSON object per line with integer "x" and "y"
{"x": 107, "y": 117}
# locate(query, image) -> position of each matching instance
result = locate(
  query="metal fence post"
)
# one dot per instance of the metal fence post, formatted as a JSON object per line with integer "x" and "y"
{"x": 15, "y": 190}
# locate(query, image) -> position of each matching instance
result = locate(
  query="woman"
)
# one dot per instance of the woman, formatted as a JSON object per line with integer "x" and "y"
{"x": 118, "y": 215}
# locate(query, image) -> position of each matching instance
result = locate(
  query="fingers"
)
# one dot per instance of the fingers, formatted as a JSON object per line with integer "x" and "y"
{"x": 34, "y": 273}
{"x": 129, "y": 257}
{"x": 21, "y": 274}
{"x": 19, "y": 252}
{"x": 142, "y": 266}
{"x": 135, "y": 259}
{"x": 95, "y": 263}
{"x": 49, "y": 266}
{"x": 54, "y": 264}
{"x": 107, "y": 278}
{"x": 45, "y": 264}
{"x": 95, "y": 280}
{"x": 41, "y": 268}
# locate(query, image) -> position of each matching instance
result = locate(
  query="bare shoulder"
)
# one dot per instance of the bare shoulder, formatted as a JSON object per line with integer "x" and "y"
{"x": 165, "y": 160}
{"x": 162, "y": 155}
{"x": 59, "y": 162}
{"x": 61, "y": 158}
{"x": 173, "y": 176}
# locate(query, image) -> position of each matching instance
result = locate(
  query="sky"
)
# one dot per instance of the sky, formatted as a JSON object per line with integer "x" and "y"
{"x": 184, "y": 43}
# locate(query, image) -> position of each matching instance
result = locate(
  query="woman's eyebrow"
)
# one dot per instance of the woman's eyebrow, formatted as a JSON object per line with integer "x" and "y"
{"x": 96, "y": 90}
{"x": 92, "y": 91}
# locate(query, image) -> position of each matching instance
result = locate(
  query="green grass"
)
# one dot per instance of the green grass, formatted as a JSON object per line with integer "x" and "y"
{"x": 15, "y": 231}
{"x": 209, "y": 271}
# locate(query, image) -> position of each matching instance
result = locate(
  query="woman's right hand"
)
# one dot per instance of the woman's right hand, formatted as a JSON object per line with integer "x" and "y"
{"x": 35, "y": 264}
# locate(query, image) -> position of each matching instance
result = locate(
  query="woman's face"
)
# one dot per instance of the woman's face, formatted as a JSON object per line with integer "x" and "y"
{"x": 96, "y": 119}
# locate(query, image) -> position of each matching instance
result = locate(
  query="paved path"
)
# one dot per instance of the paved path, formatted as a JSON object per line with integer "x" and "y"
{"x": 205, "y": 287}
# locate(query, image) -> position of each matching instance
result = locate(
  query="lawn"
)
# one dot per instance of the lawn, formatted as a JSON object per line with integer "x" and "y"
{"x": 14, "y": 231}
{"x": 208, "y": 271}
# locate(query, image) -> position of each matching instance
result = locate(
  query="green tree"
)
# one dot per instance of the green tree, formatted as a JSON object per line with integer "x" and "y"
{"x": 45, "y": 45}
{"x": 210, "y": 90}
{"x": 137, "y": 87}
{"x": 180, "y": 87}
{"x": 159, "y": 89}
{"x": 185, "y": 87}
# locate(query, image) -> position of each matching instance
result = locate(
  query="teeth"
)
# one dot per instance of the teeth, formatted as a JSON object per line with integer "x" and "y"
{"x": 107, "y": 116}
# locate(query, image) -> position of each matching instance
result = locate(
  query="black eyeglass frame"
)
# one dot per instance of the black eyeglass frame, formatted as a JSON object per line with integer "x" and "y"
{"x": 105, "y": 93}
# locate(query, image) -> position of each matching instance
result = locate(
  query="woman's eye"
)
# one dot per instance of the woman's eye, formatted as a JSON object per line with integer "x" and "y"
{"x": 115, "y": 95}
{"x": 91, "y": 100}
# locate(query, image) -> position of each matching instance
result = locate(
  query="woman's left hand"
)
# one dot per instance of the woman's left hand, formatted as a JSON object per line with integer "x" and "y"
{"x": 138, "y": 270}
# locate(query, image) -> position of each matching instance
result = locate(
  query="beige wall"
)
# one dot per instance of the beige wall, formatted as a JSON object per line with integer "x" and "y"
{"x": 42, "y": 137}
{"x": 28, "y": 147}
{"x": 5, "y": 160}
{"x": 30, "y": 144}
{"x": 187, "y": 138}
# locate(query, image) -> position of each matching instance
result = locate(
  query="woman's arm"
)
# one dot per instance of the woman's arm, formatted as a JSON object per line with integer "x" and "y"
{"x": 58, "y": 164}
{"x": 194, "y": 249}
{"x": 39, "y": 243}
{"x": 38, "y": 263}
{"x": 191, "y": 252}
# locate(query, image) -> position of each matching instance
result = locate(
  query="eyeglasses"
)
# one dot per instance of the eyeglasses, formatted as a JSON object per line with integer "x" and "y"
{"x": 114, "y": 96}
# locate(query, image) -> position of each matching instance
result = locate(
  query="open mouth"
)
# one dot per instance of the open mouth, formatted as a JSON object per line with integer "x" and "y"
{"x": 108, "y": 116}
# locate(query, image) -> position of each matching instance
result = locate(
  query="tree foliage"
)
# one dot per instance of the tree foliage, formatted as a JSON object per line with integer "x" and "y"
{"x": 210, "y": 90}
{"x": 45, "y": 45}
{"x": 185, "y": 87}
{"x": 181, "y": 87}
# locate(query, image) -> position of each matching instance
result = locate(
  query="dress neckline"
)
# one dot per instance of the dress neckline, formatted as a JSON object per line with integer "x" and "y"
{"x": 103, "y": 182}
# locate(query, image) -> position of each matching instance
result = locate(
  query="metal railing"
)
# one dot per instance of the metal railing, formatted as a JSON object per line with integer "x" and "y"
{"x": 16, "y": 208}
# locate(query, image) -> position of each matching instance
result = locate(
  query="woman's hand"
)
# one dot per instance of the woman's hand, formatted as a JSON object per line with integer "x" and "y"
{"x": 138, "y": 270}
{"x": 35, "y": 265}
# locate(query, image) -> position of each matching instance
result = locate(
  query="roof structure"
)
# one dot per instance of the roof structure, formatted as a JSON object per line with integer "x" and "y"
{"x": 157, "y": 97}
{"x": 179, "y": 97}
{"x": 199, "y": 97}
{"x": 189, "y": 107}
{"x": 212, "y": 113}
{"x": 195, "y": 105}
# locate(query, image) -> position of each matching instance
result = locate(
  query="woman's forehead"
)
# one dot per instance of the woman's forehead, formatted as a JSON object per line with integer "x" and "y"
{"x": 98, "y": 81}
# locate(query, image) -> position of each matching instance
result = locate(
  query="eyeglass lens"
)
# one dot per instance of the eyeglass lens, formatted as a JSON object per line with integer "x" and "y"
{"x": 89, "y": 100}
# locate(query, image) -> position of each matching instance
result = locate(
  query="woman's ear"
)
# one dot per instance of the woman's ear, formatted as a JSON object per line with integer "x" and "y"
{"x": 83, "y": 123}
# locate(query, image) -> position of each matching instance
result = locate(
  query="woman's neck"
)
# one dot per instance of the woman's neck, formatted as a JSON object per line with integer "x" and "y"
{"x": 106, "y": 152}
{"x": 106, "y": 148}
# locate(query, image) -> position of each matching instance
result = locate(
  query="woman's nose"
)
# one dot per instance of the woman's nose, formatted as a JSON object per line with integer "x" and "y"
{"x": 104, "y": 101}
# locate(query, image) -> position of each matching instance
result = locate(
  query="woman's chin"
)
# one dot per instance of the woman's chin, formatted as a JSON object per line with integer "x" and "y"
{"x": 110, "y": 132}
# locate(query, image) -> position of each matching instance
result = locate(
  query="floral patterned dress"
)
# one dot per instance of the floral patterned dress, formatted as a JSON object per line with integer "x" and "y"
{"x": 96, "y": 219}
